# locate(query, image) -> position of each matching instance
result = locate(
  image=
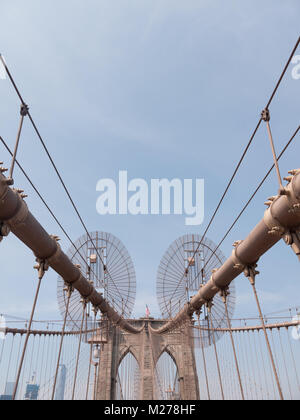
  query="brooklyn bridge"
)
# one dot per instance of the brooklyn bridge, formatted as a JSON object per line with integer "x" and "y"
{"x": 196, "y": 349}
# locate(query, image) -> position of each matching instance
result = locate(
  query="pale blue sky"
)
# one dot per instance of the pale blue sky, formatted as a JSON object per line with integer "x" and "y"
{"x": 162, "y": 88}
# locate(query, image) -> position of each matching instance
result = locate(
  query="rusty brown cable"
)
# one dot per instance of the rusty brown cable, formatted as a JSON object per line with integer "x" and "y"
{"x": 274, "y": 155}
{"x": 14, "y": 155}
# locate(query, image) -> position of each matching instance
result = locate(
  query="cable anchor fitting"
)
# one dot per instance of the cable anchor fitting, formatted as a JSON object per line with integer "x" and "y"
{"x": 68, "y": 289}
{"x": 198, "y": 313}
{"x": 265, "y": 115}
{"x": 84, "y": 302}
{"x": 209, "y": 304}
{"x": 224, "y": 293}
{"x": 250, "y": 272}
{"x": 42, "y": 266}
{"x": 5, "y": 181}
{"x": 24, "y": 110}
{"x": 95, "y": 309}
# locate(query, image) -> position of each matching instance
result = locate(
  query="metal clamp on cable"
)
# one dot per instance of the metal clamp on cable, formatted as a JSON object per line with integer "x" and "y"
{"x": 191, "y": 310}
{"x": 5, "y": 181}
{"x": 209, "y": 304}
{"x": 198, "y": 314}
{"x": 42, "y": 266}
{"x": 224, "y": 293}
{"x": 84, "y": 302}
{"x": 24, "y": 110}
{"x": 265, "y": 115}
{"x": 95, "y": 309}
{"x": 251, "y": 273}
{"x": 68, "y": 289}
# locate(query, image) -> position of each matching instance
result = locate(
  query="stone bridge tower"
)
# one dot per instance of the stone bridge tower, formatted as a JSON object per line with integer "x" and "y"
{"x": 147, "y": 347}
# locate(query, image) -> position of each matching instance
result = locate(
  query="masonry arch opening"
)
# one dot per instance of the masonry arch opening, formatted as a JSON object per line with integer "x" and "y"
{"x": 128, "y": 378}
{"x": 167, "y": 378}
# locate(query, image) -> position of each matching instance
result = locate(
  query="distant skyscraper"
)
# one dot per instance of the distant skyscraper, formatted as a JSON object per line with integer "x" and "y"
{"x": 61, "y": 384}
{"x": 8, "y": 393}
{"x": 32, "y": 390}
{"x": 9, "y": 388}
{"x": 5, "y": 397}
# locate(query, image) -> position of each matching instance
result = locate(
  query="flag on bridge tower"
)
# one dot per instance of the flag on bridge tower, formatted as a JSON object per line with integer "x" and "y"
{"x": 147, "y": 312}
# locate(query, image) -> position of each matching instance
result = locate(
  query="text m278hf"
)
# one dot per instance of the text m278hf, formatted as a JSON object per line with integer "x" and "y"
{"x": 175, "y": 410}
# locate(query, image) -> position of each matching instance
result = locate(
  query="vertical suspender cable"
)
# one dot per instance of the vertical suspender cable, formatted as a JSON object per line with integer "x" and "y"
{"x": 91, "y": 355}
{"x": 252, "y": 273}
{"x": 224, "y": 296}
{"x": 204, "y": 359}
{"x": 42, "y": 267}
{"x": 216, "y": 352}
{"x": 69, "y": 291}
{"x": 84, "y": 303}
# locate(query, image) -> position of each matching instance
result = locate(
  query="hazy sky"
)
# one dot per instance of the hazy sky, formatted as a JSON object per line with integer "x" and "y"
{"x": 162, "y": 88}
